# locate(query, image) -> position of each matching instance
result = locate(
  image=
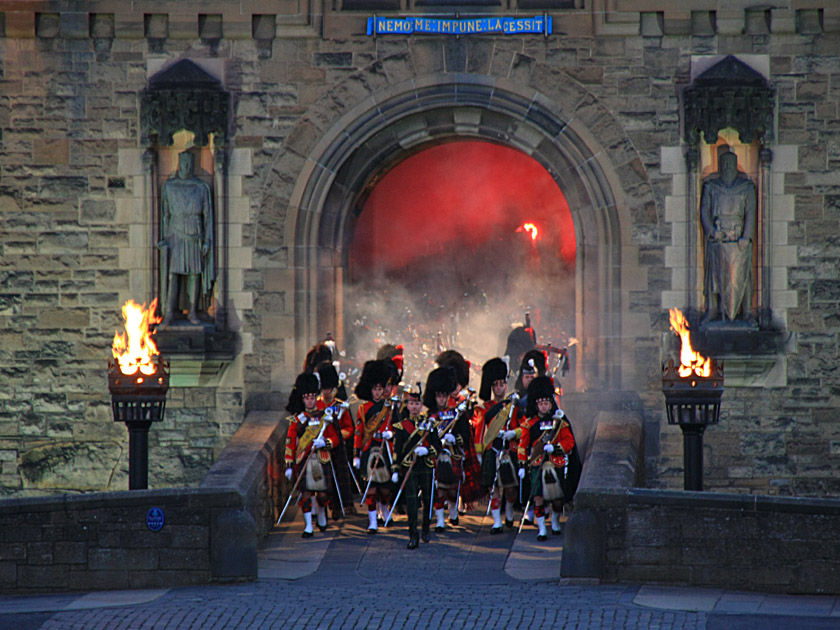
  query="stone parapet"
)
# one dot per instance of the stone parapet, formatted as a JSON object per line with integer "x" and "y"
{"x": 103, "y": 540}
{"x": 622, "y": 533}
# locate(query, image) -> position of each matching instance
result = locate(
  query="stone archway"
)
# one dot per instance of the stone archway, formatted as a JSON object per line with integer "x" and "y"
{"x": 404, "y": 118}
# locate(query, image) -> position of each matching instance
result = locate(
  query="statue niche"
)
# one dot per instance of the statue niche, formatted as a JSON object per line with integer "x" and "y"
{"x": 728, "y": 215}
{"x": 187, "y": 259}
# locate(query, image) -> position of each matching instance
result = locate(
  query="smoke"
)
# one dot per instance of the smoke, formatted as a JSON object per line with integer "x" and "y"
{"x": 439, "y": 258}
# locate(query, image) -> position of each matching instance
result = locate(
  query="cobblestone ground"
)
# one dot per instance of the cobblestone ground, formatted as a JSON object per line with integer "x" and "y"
{"x": 373, "y": 582}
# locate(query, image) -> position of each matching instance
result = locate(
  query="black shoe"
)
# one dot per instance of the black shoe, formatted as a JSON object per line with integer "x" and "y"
{"x": 413, "y": 542}
{"x": 371, "y": 531}
{"x": 380, "y": 520}
{"x": 541, "y": 538}
{"x": 426, "y": 536}
{"x": 307, "y": 534}
{"x": 557, "y": 532}
{"x": 495, "y": 530}
{"x": 453, "y": 521}
{"x": 336, "y": 516}
{"x": 439, "y": 529}
{"x": 508, "y": 523}
{"x": 323, "y": 528}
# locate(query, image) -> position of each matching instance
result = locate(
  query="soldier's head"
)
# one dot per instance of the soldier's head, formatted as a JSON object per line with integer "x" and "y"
{"x": 439, "y": 384}
{"x": 541, "y": 397}
{"x": 304, "y": 394}
{"x": 493, "y": 379}
{"x": 414, "y": 402}
{"x": 375, "y": 377}
{"x": 728, "y": 167}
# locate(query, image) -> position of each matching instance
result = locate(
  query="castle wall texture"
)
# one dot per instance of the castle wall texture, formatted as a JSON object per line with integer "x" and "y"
{"x": 75, "y": 213}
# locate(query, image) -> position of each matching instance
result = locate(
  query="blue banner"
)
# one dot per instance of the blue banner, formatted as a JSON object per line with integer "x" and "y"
{"x": 434, "y": 26}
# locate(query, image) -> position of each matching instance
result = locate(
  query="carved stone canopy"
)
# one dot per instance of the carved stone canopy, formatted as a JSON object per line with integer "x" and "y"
{"x": 184, "y": 97}
{"x": 729, "y": 94}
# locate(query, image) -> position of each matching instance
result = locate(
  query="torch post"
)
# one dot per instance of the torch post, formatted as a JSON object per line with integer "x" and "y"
{"x": 692, "y": 403}
{"x": 138, "y": 400}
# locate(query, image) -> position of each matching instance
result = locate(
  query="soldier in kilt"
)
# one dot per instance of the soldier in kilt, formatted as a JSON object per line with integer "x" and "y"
{"x": 496, "y": 440}
{"x": 334, "y": 396}
{"x": 544, "y": 450}
{"x": 372, "y": 448}
{"x": 310, "y": 439}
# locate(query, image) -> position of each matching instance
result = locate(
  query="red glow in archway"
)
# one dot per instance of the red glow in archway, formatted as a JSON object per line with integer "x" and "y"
{"x": 466, "y": 235}
{"x": 459, "y": 195}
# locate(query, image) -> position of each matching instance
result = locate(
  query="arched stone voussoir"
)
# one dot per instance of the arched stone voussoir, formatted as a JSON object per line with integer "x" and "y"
{"x": 606, "y": 129}
{"x": 557, "y": 86}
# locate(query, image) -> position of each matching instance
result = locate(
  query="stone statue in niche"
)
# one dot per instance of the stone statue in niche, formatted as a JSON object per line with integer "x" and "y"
{"x": 187, "y": 257}
{"x": 728, "y": 216}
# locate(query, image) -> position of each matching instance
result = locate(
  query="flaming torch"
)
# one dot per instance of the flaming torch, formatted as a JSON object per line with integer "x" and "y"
{"x": 138, "y": 381}
{"x": 692, "y": 390}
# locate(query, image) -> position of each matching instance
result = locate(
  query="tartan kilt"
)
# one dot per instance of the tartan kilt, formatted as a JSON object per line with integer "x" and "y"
{"x": 342, "y": 474}
{"x": 472, "y": 489}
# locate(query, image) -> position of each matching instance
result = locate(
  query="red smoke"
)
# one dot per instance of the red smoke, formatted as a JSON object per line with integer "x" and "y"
{"x": 459, "y": 201}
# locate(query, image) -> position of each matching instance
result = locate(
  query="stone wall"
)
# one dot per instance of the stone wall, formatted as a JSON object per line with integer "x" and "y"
{"x": 619, "y": 532}
{"x": 75, "y": 220}
{"x": 101, "y": 541}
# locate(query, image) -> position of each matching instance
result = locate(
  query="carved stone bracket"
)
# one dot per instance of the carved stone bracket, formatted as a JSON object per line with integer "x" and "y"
{"x": 729, "y": 94}
{"x": 184, "y": 97}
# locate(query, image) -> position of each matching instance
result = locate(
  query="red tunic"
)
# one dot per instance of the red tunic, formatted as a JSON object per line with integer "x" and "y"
{"x": 308, "y": 424}
{"x": 480, "y": 424}
{"x": 376, "y": 438}
{"x": 345, "y": 420}
{"x": 562, "y": 440}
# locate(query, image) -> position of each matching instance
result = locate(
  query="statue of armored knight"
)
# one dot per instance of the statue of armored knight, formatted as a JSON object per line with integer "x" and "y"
{"x": 728, "y": 216}
{"x": 187, "y": 252}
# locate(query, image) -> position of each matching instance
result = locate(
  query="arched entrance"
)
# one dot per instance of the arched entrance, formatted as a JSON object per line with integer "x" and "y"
{"x": 368, "y": 140}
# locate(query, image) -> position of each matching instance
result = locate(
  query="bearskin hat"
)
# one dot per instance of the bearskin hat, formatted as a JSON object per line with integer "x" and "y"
{"x": 317, "y": 353}
{"x": 493, "y": 370}
{"x": 519, "y": 341}
{"x": 373, "y": 373}
{"x": 540, "y": 388}
{"x": 395, "y": 353}
{"x": 533, "y": 361}
{"x": 304, "y": 384}
{"x": 457, "y": 361}
{"x": 440, "y": 379}
{"x": 328, "y": 375}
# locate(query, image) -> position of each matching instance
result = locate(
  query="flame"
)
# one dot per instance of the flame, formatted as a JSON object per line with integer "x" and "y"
{"x": 690, "y": 361}
{"x": 531, "y": 228}
{"x": 134, "y": 349}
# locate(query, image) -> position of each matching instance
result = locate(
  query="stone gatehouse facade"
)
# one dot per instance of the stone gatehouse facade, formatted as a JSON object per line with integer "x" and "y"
{"x": 315, "y": 109}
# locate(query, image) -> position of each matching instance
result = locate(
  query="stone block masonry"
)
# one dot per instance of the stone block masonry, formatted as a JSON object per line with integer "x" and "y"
{"x": 102, "y": 541}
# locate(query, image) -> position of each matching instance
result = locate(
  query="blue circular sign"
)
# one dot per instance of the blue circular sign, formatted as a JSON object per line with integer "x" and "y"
{"x": 154, "y": 519}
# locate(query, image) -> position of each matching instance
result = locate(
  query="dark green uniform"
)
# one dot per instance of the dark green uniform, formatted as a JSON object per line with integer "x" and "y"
{"x": 409, "y": 433}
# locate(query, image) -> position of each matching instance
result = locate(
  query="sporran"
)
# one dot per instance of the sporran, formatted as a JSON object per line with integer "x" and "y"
{"x": 377, "y": 466}
{"x": 507, "y": 471}
{"x": 551, "y": 488}
{"x": 316, "y": 479}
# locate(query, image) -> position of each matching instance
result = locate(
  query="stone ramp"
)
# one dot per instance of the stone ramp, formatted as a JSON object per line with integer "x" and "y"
{"x": 466, "y": 553}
